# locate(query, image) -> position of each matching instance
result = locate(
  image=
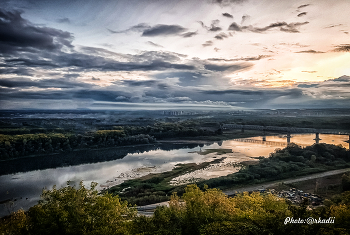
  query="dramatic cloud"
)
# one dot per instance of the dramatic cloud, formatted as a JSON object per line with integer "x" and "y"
{"x": 340, "y": 84}
{"x": 307, "y": 85}
{"x": 341, "y": 79}
{"x": 282, "y": 26}
{"x": 163, "y": 30}
{"x": 227, "y": 67}
{"x": 147, "y": 83}
{"x": 184, "y": 78}
{"x": 235, "y": 27}
{"x": 332, "y": 92}
{"x": 43, "y": 83}
{"x": 103, "y": 60}
{"x": 169, "y": 59}
{"x": 94, "y": 62}
{"x": 310, "y": 51}
{"x": 157, "y": 55}
{"x": 342, "y": 48}
{"x": 213, "y": 27}
{"x": 32, "y": 62}
{"x": 238, "y": 92}
{"x": 227, "y": 15}
{"x": 18, "y": 34}
{"x": 17, "y": 71}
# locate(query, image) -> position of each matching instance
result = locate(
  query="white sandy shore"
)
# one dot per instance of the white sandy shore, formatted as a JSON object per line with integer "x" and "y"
{"x": 225, "y": 167}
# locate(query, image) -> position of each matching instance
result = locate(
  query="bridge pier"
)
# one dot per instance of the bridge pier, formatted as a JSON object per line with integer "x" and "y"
{"x": 264, "y": 135}
{"x": 348, "y": 141}
{"x": 288, "y": 138}
{"x": 317, "y": 139}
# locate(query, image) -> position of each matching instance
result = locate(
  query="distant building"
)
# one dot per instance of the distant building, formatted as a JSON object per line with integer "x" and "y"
{"x": 173, "y": 113}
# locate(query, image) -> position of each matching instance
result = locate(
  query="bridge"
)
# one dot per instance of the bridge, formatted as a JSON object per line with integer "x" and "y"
{"x": 271, "y": 143}
{"x": 287, "y": 130}
{"x": 282, "y": 129}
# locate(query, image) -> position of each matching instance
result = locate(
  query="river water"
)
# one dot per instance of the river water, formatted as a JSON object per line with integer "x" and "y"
{"x": 24, "y": 188}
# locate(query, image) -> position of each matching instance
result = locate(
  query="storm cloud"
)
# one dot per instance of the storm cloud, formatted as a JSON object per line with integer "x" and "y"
{"x": 18, "y": 34}
{"x": 42, "y": 83}
{"x": 156, "y": 52}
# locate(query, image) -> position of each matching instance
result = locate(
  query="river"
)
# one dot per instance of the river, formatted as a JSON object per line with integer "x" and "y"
{"x": 24, "y": 188}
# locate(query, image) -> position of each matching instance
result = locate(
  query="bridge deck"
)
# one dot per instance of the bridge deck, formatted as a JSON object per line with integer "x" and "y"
{"x": 272, "y": 143}
{"x": 283, "y": 129}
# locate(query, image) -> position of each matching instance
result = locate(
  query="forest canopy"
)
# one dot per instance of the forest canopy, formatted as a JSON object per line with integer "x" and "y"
{"x": 79, "y": 210}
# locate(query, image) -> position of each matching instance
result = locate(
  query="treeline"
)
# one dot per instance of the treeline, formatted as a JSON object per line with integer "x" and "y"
{"x": 168, "y": 130}
{"x": 14, "y": 146}
{"x": 23, "y": 130}
{"x": 71, "y": 210}
{"x": 82, "y": 156}
{"x": 289, "y": 162}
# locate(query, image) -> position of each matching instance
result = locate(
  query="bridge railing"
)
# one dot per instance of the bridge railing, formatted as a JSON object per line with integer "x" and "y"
{"x": 283, "y": 129}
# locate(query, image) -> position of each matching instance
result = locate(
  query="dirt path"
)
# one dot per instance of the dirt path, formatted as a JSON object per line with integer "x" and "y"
{"x": 286, "y": 181}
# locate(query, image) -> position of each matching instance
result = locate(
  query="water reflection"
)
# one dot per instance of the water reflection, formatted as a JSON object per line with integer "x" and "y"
{"x": 26, "y": 187}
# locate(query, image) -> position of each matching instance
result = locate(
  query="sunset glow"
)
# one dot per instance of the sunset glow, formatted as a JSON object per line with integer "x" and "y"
{"x": 265, "y": 54}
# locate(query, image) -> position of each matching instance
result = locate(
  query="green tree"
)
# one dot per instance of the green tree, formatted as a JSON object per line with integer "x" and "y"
{"x": 15, "y": 224}
{"x": 72, "y": 210}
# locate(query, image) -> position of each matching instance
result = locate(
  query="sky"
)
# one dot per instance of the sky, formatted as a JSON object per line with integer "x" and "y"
{"x": 163, "y": 54}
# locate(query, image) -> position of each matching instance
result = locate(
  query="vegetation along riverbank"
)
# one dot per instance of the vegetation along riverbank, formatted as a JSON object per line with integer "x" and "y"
{"x": 289, "y": 162}
{"x": 78, "y": 210}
